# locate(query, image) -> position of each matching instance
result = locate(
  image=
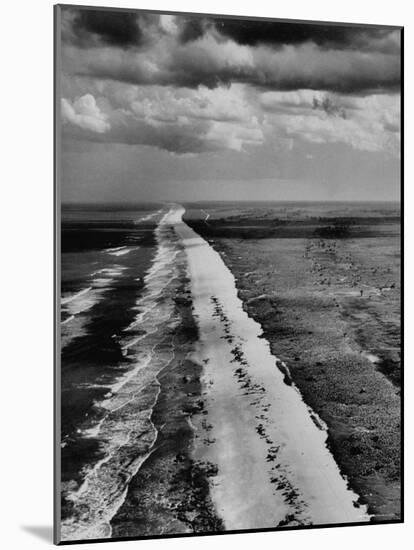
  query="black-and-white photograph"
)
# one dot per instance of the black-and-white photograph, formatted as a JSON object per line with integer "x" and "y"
{"x": 229, "y": 278}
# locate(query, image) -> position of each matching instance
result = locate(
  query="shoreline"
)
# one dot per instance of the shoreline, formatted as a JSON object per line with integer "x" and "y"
{"x": 132, "y": 437}
{"x": 170, "y": 494}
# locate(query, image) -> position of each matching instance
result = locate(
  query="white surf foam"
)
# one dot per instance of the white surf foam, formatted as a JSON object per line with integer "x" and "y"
{"x": 126, "y": 432}
{"x": 119, "y": 251}
{"x": 81, "y": 302}
{"x": 68, "y": 299}
{"x": 68, "y": 320}
{"x": 149, "y": 217}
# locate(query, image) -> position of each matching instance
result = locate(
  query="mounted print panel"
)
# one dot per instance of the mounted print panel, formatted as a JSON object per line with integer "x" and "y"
{"x": 228, "y": 241}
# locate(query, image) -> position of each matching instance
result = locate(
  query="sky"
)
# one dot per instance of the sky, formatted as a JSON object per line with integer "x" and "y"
{"x": 179, "y": 107}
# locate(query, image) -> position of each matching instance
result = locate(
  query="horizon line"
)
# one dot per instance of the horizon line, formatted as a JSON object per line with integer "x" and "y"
{"x": 186, "y": 201}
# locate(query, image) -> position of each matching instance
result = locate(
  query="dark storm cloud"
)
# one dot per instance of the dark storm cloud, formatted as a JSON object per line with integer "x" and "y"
{"x": 193, "y": 28}
{"x": 329, "y": 106}
{"x": 253, "y": 32}
{"x": 93, "y": 28}
{"x": 182, "y": 51}
{"x": 114, "y": 28}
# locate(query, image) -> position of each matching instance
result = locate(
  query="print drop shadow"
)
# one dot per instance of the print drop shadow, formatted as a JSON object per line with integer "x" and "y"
{"x": 42, "y": 532}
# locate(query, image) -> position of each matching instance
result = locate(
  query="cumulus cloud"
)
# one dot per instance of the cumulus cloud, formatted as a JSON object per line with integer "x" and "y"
{"x": 370, "y": 123}
{"x": 234, "y": 137}
{"x": 85, "y": 113}
{"x": 169, "y": 24}
{"x": 160, "y": 104}
{"x": 194, "y": 121}
{"x": 178, "y": 120}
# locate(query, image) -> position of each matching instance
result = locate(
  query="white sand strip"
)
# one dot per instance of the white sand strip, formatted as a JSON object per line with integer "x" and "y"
{"x": 273, "y": 463}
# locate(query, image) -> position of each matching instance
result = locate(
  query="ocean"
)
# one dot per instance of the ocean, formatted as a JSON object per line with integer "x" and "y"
{"x": 118, "y": 272}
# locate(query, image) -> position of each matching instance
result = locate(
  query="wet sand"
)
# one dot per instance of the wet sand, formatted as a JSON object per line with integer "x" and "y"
{"x": 170, "y": 494}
